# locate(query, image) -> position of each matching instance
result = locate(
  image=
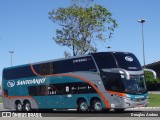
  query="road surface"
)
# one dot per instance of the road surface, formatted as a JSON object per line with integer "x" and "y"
{"x": 134, "y": 114}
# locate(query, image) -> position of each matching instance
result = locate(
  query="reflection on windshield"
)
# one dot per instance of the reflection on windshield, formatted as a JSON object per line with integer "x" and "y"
{"x": 136, "y": 85}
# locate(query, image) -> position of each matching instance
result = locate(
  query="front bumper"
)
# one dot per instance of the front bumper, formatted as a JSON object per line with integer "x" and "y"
{"x": 131, "y": 103}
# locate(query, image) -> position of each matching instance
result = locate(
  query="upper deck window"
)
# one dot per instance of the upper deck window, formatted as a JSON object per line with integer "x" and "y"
{"x": 66, "y": 66}
{"x": 18, "y": 72}
{"x": 105, "y": 60}
{"x": 127, "y": 61}
{"x": 76, "y": 64}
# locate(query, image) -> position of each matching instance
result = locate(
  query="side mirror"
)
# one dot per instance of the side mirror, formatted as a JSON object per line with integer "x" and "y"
{"x": 153, "y": 72}
{"x": 118, "y": 70}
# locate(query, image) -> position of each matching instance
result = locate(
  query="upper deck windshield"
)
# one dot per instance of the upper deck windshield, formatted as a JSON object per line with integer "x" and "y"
{"x": 126, "y": 61}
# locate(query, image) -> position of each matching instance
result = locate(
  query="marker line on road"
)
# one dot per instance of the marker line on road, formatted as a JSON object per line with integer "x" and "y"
{"x": 142, "y": 108}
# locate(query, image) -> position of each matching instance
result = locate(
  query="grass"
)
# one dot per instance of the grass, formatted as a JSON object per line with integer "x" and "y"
{"x": 0, "y": 99}
{"x": 154, "y": 100}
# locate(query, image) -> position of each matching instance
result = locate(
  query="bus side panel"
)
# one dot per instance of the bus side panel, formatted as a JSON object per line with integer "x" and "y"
{"x": 9, "y": 102}
{"x": 61, "y": 92}
{"x": 95, "y": 79}
{"x": 42, "y": 96}
{"x": 6, "y": 103}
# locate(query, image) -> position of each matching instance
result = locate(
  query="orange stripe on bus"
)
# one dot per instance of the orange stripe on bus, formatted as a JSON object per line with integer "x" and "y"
{"x": 117, "y": 93}
{"x": 12, "y": 97}
{"x": 81, "y": 78}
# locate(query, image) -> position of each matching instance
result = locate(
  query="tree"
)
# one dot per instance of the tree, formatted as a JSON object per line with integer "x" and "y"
{"x": 82, "y": 26}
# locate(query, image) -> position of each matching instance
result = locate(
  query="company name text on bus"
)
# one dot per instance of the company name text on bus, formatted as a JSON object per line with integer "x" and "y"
{"x": 11, "y": 83}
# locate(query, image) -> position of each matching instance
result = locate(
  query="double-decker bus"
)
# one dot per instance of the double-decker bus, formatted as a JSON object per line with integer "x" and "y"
{"x": 94, "y": 82}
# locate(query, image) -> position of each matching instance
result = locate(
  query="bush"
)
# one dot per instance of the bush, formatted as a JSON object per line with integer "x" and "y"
{"x": 152, "y": 84}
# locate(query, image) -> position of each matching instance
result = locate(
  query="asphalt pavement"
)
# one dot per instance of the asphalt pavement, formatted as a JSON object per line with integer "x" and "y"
{"x": 154, "y": 92}
{"x": 151, "y": 112}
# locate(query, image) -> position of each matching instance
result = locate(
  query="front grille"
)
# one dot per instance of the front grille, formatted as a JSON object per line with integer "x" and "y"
{"x": 138, "y": 99}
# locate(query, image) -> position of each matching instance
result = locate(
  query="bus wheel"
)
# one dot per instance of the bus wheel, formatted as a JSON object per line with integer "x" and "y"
{"x": 96, "y": 105}
{"x": 82, "y": 106}
{"x": 27, "y": 106}
{"x": 19, "y": 106}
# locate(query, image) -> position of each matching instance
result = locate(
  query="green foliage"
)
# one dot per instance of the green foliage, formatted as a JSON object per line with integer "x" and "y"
{"x": 82, "y": 26}
{"x": 67, "y": 54}
{"x": 152, "y": 84}
{"x": 0, "y": 99}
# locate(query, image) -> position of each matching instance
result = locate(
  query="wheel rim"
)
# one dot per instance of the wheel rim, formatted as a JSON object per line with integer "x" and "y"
{"x": 19, "y": 107}
{"x": 83, "y": 106}
{"x": 98, "y": 106}
{"x": 27, "y": 107}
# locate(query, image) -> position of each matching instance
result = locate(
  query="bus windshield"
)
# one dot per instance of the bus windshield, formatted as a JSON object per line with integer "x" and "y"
{"x": 117, "y": 82}
{"x": 136, "y": 85}
{"x": 127, "y": 61}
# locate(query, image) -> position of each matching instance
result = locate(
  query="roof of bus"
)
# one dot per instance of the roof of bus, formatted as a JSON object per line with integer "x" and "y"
{"x": 46, "y": 61}
{"x": 62, "y": 59}
{"x": 74, "y": 57}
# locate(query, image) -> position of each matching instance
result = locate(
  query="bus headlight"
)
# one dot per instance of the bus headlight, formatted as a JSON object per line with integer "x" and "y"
{"x": 127, "y": 98}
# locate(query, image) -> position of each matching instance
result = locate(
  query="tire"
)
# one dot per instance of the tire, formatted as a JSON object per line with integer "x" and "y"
{"x": 82, "y": 106}
{"x": 19, "y": 107}
{"x": 27, "y": 107}
{"x": 97, "y": 105}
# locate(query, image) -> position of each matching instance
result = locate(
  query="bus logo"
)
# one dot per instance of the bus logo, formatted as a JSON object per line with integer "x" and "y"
{"x": 129, "y": 58}
{"x": 11, "y": 83}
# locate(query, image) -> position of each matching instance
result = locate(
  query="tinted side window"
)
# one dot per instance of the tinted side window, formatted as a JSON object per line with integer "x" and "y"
{"x": 19, "y": 72}
{"x": 113, "y": 82}
{"x": 45, "y": 68}
{"x": 84, "y": 64}
{"x": 66, "y": 66}
{"x": 61, "y": 89}
{"x": 73, "y": 65}
{"x": 105, "y": 60}
{"x": 63, "y": 66}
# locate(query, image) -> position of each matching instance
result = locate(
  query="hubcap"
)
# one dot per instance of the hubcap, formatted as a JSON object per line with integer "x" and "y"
{"x": 83, "y": 106}
{"x": 98, "y": 106}
{"x": 28, "y": 107}
{"x": 19, "y": 107}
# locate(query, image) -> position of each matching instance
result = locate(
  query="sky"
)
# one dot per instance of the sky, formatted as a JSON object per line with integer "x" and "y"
{"x": 26, "y": 30}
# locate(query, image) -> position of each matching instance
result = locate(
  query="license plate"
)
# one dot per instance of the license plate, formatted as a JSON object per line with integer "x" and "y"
{"x": 139, "y": 105}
